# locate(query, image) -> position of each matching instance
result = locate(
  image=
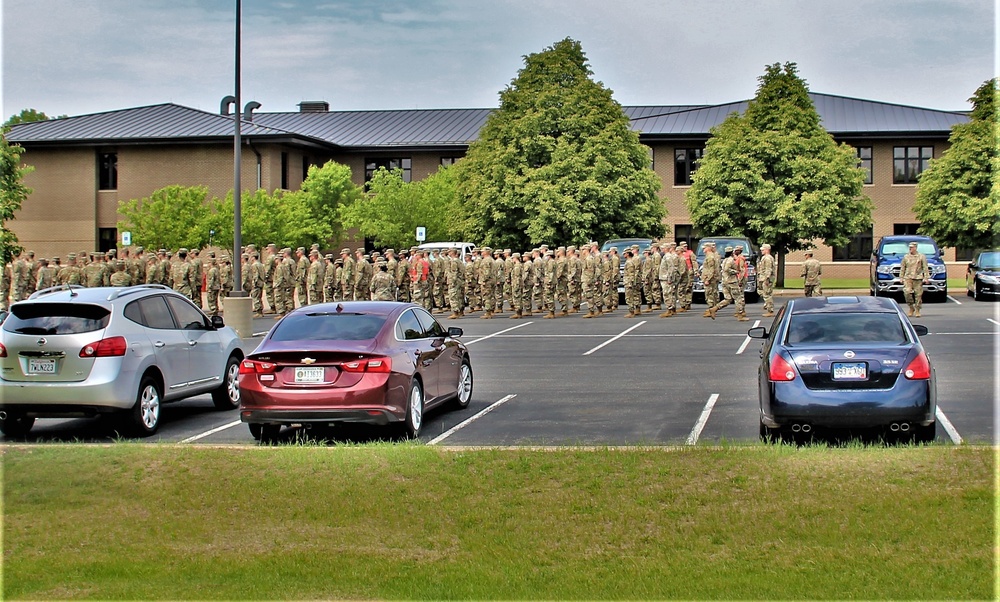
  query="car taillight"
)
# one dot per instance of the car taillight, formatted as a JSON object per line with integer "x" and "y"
{"x": 919, "y": 368}
{"x": 110, "y": 347}
{"x": 3, "y": 350}
{"x": 375, "y": 364}
{"x": 781, "y": 370}
{"x": 255, "y": 367}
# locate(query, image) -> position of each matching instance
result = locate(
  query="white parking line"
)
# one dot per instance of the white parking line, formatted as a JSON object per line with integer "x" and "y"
{"x": 213, "y": 431}
{"x": 698, "y": 426}
{"x": 616, "y": 337}
{"x": 746, "y": 342}
{"x": 950, "y": 298}
{"x": 490, "y": 336}
{"x": 948, "y": 426}
{"x": 462, "y": 425}
{"x": 992, "y": 320}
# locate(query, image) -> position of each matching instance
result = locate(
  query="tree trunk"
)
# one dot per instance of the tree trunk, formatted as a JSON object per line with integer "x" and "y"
{"x": 779, "y": 282}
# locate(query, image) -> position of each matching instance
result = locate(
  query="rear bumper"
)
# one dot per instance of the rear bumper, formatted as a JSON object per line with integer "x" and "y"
{"x": 908, "y": 401}
{"x": 104, "y": 390}
{"x": 379, "y": 402}
{"x": 374, "y": 415}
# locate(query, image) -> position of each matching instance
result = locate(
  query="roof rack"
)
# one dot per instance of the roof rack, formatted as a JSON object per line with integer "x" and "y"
{"x": 55, "y": 289}
{"x": 126, "y": 290}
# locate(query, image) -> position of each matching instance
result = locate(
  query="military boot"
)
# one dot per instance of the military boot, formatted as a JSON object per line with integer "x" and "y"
{"x": 630, "y": 314}
{"x": 516, "y": 315}
{"x": 590, "y": 314}
{"x": 909, "y": 312}
{"x": 742, "y": 318}
{"x": 667, "y": 313}
{"x": 486, "y": 316}
{"x": 454, "y": 315}
{"x": 708, "y": 313}
{"x": 549, "y": 315}
{"x": 916, "y": 313}
{"x": 711, "y": 313}
{"x": 767, "y": 314}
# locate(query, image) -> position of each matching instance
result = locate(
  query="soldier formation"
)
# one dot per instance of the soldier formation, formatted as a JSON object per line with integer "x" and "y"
{"x": 552, "y": 282}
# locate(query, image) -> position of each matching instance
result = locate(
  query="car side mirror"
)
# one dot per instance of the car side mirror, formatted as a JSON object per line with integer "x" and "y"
{"x": 920, "y": 329}
{"x": 758, "y": 332}
{"x": 217, "y": 322}
{"x": 455, "y": 332}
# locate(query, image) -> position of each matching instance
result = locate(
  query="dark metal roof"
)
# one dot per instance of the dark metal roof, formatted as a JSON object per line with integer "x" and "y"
{"x": 450, "y": 127}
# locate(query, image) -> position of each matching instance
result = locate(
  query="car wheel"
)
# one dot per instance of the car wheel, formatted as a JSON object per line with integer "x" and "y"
{"x": 144, "y": 417}
{"x": 227, "y": 396}
{"x": 14, "y": 426}
{"x": 255, "y": 430}
{"x": 925, "y": 434}
{"x": 265, "y": 433}
{"x": 464, "y": 385}
{"x": 414, "y": 418}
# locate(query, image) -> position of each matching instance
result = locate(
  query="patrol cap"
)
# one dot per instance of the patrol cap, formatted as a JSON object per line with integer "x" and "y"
{"x": 328, "y": 256}
{"x": 506, "y": 250}
{"x": 300, "y": 250}
{"x": 271, "y": 245}
{"x": 139, "y": 249}
{"x": 913, "y": 243}
{"x": 683, "y": 243}
{"x": 765, "y": 246}
{"x": 570, "y": 248}
{"x": 245, "y": 256}
{"x": 487, "y": 250}
{"x": 729, "y": 249}
{"x": 182, "y": 250}
{"x": 164, "y": 251}
{"x": 345, "y": 251}
{"x": 515, "y": 255}
{"x": 674, "y": 244}
{"x": 56, "y": 259}
{"x": 550, "y": 253}
{"x": 314, "y": 247}
{"x": 286, "y": 250}
{"x": 387, "y": 251}
{"x": 211, "y": 254}
{"x": 707, "y": 244}
{"x": 71, "y": 256}
{"x": 338, "y": 261}
{"x": 314, "y": 253}
{"x": 738, "y": 249}
{"x": 359, "y": 250}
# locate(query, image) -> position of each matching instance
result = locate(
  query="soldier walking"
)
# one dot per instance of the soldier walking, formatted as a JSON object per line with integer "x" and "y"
{"x": 811, "y": 271}
{"x": 765, "y": 279}
{"x": 732, "y": 269}
{"x": 914, "y": 271}
{"x": 711, "y": 272}
{"x": 668, "y": 275}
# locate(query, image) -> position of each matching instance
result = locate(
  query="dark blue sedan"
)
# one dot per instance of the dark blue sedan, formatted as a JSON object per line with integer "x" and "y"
{"x": 844, "y": 362}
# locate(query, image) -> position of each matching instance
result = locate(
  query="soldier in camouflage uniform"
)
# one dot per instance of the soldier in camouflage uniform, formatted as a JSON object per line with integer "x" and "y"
{"x": 121, "y": 276}
{"x": 616, "y": 274}
{"x": 314, "y": 278}
{"x": 711, "y": 272}
{"x": 527, "y": 284}
{"x": 472, "y": 279}
{"x": 562, "y": 280}
{"x": 70, "y": 273}
{"x": 213, "y": 285}
{"x": 346, "y": 275}
{"x": 419, "y": 279}
{"x": 914, "y": 272}
{"x": 733, "y": 270}
{"x": 487, "y": 283}
{"x": 550, "y": 280}
{"x": 382, "y": 286}
{"x": 183, "y": 275}
{"x": 164, "y": 270}
{"x": 811, "y": 271}
{"x": 256, "y": 270}
{"x": 537, "y": 279}
{"x": 33, "y": 267}
{"x": 633, "y": 283}
{"x": 300, "y": 276}
{"x": 589, "y": 276}
{"x": 455, "y": 277}
{"x": 93, "y": 274}
{"x": 657, "y": 290}
{"x": 362, "y": 275}
{"x": 439, "y": 268}
{"x": 46, "y": 275}
{"x": 6, "y": 278}
{"x": 20, "y": 273}
{"x": 330, "y": 287}
{"x": 403, "y": 276}
{"x": 516, "y": 275}
{"x": 270, "y": 261}
{"x": 646, "y": 276}
{"x": 574, "y": 275}
{"x": 667, "y": 276}
{"x": 197, "y": 275}
{"x": 765, "y": 279}
{"x": 226, "y": 271}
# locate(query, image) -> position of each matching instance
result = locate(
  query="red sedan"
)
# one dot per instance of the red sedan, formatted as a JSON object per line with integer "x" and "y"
{"x": 376, "y": 362}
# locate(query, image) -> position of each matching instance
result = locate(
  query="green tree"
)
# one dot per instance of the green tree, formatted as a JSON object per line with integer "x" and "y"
{"x": 393, "y": 209}
{"x": 169, "y": 218}
{"x": 958, "y": 197}
{"x": 775, "y": 175}
{"x": 326, "y": 189}
{"x": 557, "y": 162}
{"x": 29, "y": 115}
{"x": 284, "y": 218}
{"x": 13, "y": 193}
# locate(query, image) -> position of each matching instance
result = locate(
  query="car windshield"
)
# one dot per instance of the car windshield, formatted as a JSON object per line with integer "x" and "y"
{"x": 56, "y": 318}
{"x": 990, "y": 261}
{"x": 721, "y": 244}
{"x": 845, "y": 328}
{"x": 902, "y": 248}
{"x": 328, "y": 326}
{"x": 644, "y": 243}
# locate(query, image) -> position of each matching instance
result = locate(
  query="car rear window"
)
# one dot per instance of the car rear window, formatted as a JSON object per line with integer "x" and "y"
{"x": 845, "y": 328}
{"x": 56, "y": 318}
{"x": 328, "y": 326}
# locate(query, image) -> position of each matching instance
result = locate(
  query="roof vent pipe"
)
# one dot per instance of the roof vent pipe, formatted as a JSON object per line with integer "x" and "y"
{"x": 314, "y": 106}
{"x": 248, "y": 110}
{"x": 227, "y": 101}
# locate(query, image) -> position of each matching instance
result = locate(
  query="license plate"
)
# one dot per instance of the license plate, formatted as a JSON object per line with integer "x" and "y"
{"x": 309, "y": 375}
{"x": 41, "y": 366}
{"x": 852, "y": 371}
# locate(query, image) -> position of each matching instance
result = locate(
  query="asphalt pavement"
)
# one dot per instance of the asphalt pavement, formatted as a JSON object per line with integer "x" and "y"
{"x": 614, "y": 381}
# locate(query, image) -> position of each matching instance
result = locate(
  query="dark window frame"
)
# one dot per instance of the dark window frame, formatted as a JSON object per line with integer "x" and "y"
{"x": 449, "y": 161}
{"x": 404, "y": 164}
{"x": 284, "y": 171}
{"x": 908, "y": 162}
{"x": 905, "y": 229}
{"x": 858, "y": 249}
{"x": 865, "y": 162}
{"x": 687, "y": 232}
{"x": 685, "y": 164}
{"x": 107, "y": 170}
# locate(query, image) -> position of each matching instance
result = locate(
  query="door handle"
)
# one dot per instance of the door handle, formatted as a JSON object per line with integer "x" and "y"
{"x": 427, "y": 362}
{"x": 192, "y": 343}
{"x": 159, "y": 344}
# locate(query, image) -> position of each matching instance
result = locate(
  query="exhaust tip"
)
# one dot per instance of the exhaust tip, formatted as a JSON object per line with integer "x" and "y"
{"x": 904, "y": 426}
{"x": 807, "y": 428}
{"x": 894, "y": 427}
{"x": 3, "y": 415}
{"x": 796, "y": 428}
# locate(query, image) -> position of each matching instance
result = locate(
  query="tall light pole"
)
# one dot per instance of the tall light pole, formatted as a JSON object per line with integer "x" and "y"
{"x": 238, "y": 157}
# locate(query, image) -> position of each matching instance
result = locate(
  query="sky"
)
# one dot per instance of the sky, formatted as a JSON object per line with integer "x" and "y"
{"x": 73, "y": 57}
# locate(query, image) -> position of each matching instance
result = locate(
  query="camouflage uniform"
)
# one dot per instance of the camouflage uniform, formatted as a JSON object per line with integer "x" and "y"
{"x": 70, "y": 273}
{"x": 472, "y": 280}
{"x": 183, "y": 276}
{"x": 121, "y": 276}
{"x": 439, "y": 268}
{"x": 20, "y": 273}
{"x": 589, "y": 276}
{"x": 257, "y": 281}
{"x": 914, "y": 271}
{"x": 734, "y": 270}
{"x": 633, "y": 284}
{"x": 686, "y": 285}
{"x": 314, "y": 278}
{"x": 549, "y": 283}
{"x": 330, "y": 274}
{"x": 382, "y": 287}
{"x": 456, "y": 285}
{"x": 302, "y": 276}
{"x": 646, "y": 276}
{"x": 711, "y": 272}
{"x": 6, "y": 278}
{"x": 270, "y": 261}
{"x": 574, "y": 276}
{"x": 198, "y": 273}
{"x": 46, "y": 275}
{"x": 765, "y": 279}
{"x": 403, "y": 277}
{"x": 347, "y": 276}
{"x": 213, "y": 285}
{"x": 562, "y": 280}
{"x": 538, "y": 279}
{"x": 362, "y": 276}
{"x": 811, "y": 271}
{"x": 487, "y": 283}
{"x": 654, "y": 271}
{"x": 668, "y": 274}
{"x": 616, "y": 274}
{"x": 419, "y": 275}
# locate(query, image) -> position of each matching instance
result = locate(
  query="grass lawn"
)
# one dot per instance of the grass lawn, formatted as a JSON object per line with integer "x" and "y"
{"x": 143, "y": 522}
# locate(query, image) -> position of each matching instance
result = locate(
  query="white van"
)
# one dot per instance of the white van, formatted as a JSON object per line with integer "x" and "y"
{"x": 464, "y": 248}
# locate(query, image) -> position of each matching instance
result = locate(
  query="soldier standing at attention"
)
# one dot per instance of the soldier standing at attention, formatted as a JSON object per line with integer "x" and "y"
{"x": 301, "y": 276}
{"x": 589, "y": 274}
{"x": 487, "y": 283}
{"x": 20, "y": 272}
{"x": 549, "y": 284}
{"x": 314, "y": 278}
{"x": 667, "y": 276}
{"x": 362, "y": 275}
{"x": 616, "y": 275}
{"x": 765, "y": 279}
{"x": 164, "y": 268}
{"x": 121, "y": 277}
{"x": 198, "y": 275}
{"x": 93, "y": 273}
{"x": 914, "y": 271}
{"x": 537, "y": 278}
{"x": 574, "y": 274}
{"x": 439, "y": 268}
{"x": 288, "y": 267}
{"x": 392, "y": 267}
{"x": 527, "y": 284}
{"x": 646, "y": 277}
{"x": 633, "y": 283}
{"x": 403, "y": 276}
{"x": 654, "y": 272}
{"x": 269, "y": 260}
{"x": 456, "y": 285}
{"x": 33, "y": 267}
{"x": 256, "y": 289}
{"x": 508, "y": 268}
{"x": 710, "y": 272}
{"x": 599, "y": 292}
{"x": 183, "y": 275}
{"x": 731, "y": 268}
{"x": 811, "y": 271}
{"x": 213, "y": 284}
{"x": 418, "y": 275}
{"x": 226, "y": 272}
{"x": 742, "y": 273}
{"x": 381, "y": 287}
{"x": 329, "y": 278}
{"x": 685, "y": 286}
{"x": 71, "y": 273}
{"x": 46, "y": 275}
{"x": 516, "y": 292}
{"x": 346, "y": 275}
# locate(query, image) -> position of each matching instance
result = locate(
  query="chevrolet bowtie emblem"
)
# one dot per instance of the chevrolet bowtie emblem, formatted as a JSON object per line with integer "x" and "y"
{"x": 308, "y": 360}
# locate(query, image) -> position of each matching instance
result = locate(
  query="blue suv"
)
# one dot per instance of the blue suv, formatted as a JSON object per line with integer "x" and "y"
{"x": 886, "y": 257}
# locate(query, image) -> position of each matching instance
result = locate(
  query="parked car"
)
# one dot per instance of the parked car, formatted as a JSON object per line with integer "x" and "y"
{"x": 844, "y": 362}
{"x": 375, "y": 362}
{"x": 464, "y": 248}
{"x": 982, "y": 278}
{"x": 70, "y": 351}
{"x": 750, "y": 250}
{"x": 885, "y": 265}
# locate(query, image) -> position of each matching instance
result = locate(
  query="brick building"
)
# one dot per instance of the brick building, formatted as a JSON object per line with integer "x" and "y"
{"x": 85, "y": 165}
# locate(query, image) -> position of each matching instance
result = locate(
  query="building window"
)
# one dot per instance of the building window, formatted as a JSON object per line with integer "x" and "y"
{"x": 449, "y": 161}
{"x": 964, "y": 254}
{"x": 686, "y": 233}
{"x": 107, "y": 239}
{"x": 865, "y": 162}
{"x": 858, "y": 249}
{"x": 909, "y": 162}
{"x": 284, "y": 171}
{"x": 904, "y": 229}
{"x": 685, "y": 164}
{"x": 390, "y": 163}
{"x": 107, "y": 171}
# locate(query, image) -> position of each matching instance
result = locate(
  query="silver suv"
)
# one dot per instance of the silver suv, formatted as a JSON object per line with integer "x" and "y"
{"x": 70, "y": 351}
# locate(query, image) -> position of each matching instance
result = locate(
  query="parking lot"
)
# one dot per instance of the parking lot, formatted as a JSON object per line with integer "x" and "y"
{"x": 616, "y": 381}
